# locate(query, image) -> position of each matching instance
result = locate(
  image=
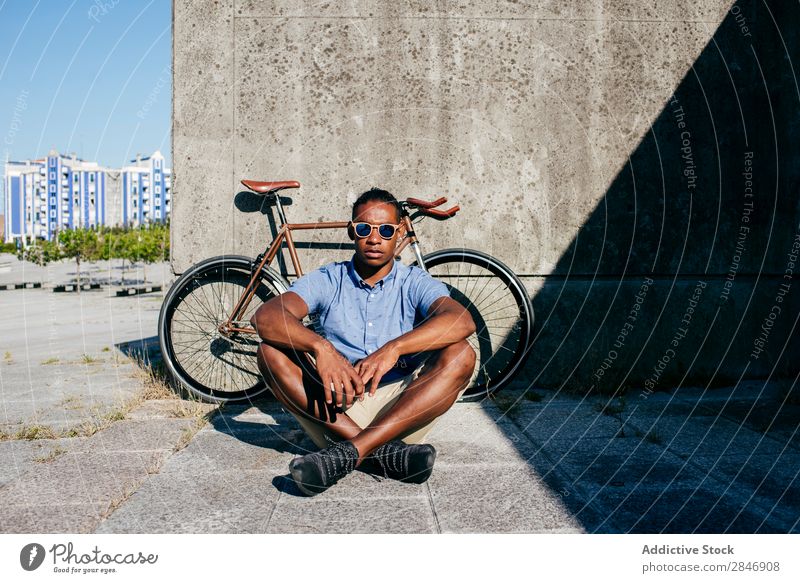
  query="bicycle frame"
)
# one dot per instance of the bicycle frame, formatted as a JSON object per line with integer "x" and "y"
{"x": 285, "y": 234}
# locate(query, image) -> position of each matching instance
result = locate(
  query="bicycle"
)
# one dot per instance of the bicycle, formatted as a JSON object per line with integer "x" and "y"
{"x": 209, "y": 346}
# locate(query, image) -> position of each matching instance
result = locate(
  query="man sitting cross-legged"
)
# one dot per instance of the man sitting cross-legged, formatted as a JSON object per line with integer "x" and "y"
{"x": 390, "y": 358}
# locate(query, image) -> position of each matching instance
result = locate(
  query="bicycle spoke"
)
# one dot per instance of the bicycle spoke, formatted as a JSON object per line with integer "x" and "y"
{"x": 490, "y": 292}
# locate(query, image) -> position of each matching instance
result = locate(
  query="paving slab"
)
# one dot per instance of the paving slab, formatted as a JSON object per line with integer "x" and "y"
{"x": 678, "y": 508}
{"x": 467, "y": 499}
{"x": 18, "y": 456}
{"x": 52, "y": 518}
{"x": 233, "y": 501}
{"x": 353, "y": 516}
{"x": 93, "y": 474}
{"x": 772, "y": 482}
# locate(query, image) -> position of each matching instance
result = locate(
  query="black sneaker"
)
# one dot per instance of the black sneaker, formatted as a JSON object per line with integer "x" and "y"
{"x": 316, "y": 472}
{"x": 408, "y": 463}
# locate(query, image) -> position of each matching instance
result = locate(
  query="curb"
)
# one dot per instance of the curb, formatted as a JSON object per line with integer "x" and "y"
{"x": 135, "y": 291}
{"x": 25, "y": 285}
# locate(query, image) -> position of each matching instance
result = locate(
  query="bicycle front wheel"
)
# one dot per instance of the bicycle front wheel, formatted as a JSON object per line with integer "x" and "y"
{"x": 500, "y": 307}
{"x": 216, "y": 368}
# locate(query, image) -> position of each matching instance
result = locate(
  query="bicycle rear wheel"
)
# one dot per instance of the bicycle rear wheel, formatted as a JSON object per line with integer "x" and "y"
{"x": 500, "y": 307}
{"x": 215, "y": 367}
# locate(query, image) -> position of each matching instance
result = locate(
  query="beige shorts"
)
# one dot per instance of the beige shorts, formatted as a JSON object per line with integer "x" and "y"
{"x": 366, "y": 411}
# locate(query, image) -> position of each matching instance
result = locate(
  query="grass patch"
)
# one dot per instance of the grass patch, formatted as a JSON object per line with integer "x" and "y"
{"x": 155, "y": 380}
{"x": 72, "y": 403}
{"x": 184, "y": 410}
{"x": 54, "y": 453}
{"x": 189, "y": 432}
{"x": 106, "y": 349}
{"x": 87, "y": 359}
{"x": 52, "y": 360}
{"x": 612, "y": 407}
{"x": 531, "y": 396}
{"x": 653, "y": 436}
{"x": 509, "y": 405}
{"x": 117, "y": 415}
{"x": 31, "y": 432}
{"x": 86, "y": 429}
{"x": 8, "y": 358}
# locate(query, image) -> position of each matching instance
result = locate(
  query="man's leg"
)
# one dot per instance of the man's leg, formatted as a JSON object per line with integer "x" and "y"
{"x": 426, "y": 398}
{"x": 301, "y": 392}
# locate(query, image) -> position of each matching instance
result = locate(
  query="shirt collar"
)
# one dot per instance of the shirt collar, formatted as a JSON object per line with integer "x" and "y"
{"x": 351, "y": 270}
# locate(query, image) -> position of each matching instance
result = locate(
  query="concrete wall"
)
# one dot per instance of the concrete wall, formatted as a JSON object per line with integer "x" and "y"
{"x": 593, "y": 146}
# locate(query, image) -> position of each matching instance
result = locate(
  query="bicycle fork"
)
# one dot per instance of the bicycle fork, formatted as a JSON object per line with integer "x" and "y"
{"x": 414, "y": 243}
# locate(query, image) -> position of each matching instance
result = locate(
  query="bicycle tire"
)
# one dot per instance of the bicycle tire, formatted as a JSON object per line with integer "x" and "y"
{"x": 499, "y": 304}
{"x": 215, "y": 368}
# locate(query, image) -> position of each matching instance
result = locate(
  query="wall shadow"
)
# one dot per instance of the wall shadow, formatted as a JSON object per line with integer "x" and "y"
{"x": 673, "y": 274}
{"x": 682, "y": 276}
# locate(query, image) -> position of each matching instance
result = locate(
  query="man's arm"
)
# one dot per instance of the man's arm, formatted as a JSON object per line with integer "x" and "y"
{"x": 279, "y": 323}
{"x": 448, "y": 322}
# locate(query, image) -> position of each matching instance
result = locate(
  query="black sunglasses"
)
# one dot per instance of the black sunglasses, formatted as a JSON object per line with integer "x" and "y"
{"x": 364, "y": 230}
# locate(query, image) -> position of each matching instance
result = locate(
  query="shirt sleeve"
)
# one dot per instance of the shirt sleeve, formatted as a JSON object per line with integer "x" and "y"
{"x": 427, "y": 290}
{"x": 316, "y": 288}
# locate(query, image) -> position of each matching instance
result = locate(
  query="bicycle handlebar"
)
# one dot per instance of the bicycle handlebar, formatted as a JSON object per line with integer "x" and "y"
{"x": 423, "y": 204}
{"x": 427, "y": 207}
{"x": 442, "y": 214}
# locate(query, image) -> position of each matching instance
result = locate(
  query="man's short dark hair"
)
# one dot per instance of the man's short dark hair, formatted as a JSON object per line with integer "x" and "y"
{"x": 379, "y": 195}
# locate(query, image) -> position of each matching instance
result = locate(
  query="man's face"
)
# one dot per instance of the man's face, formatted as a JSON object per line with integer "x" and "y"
{"x": 374, "y": 250}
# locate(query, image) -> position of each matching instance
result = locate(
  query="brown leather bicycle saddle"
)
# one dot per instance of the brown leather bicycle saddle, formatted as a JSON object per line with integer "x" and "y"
{"x": 270, "y": 187}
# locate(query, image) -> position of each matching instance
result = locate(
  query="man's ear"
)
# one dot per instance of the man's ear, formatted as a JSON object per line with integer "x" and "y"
{"x": 350, "y": 232}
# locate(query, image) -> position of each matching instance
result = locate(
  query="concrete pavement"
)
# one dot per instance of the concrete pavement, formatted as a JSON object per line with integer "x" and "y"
{"x": 96, "y": 445}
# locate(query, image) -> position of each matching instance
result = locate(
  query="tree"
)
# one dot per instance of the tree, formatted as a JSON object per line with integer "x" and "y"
{"x": 40, "y": 252}
{"x": 153, "y": 243}
{"x": 79, "y": 244}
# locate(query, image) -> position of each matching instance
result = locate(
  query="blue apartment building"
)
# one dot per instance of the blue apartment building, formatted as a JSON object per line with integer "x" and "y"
{"x": 60, "y": 192}
{"x": 146, "y": 190}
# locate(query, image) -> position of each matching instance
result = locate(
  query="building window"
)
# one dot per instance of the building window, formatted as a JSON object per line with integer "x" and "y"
{"x": 52, "y": 188}
{"x": 52, "y": 176}
{"x": 91, "y": 177}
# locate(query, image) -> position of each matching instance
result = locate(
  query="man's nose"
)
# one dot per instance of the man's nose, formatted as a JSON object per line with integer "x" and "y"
{"x": 374, "y": 237}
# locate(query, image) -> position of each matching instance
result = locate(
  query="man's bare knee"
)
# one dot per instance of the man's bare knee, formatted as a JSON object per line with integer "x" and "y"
{"x": 273, "y": 361}
{"x": 458, "y": 359}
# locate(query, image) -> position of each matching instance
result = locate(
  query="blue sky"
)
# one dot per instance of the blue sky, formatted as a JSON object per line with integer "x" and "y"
{"x": 85, "y": 76}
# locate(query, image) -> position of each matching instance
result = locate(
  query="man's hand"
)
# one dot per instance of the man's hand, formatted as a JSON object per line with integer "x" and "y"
{"x": 338, "y": 376}
{"x": 377, "y": 364}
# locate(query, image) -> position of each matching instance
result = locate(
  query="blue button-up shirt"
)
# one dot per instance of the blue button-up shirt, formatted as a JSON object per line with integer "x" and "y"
{"x": 358, "y": 318}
